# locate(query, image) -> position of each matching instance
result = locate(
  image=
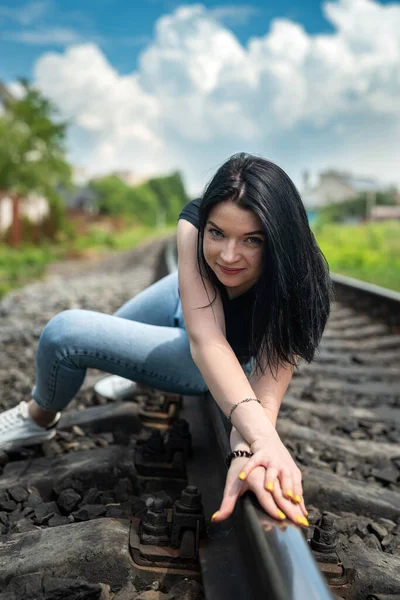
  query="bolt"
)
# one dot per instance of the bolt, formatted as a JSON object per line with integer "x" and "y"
{"x": 326, "y": 522}
{"x": 191, "y": 497}
{"x": 155, "y": 518}
{"x": 325, "y": 537}
{"x": 157, "y": 505}
{"x": 154, "y": 527}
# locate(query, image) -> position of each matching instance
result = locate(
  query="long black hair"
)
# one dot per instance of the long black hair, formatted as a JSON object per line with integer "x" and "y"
{"x": 293, "y": 293}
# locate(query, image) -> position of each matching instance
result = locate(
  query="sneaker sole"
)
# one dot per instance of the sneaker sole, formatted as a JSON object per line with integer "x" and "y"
{"x": 102, "y": 392}
{"x": 33, "y": 441}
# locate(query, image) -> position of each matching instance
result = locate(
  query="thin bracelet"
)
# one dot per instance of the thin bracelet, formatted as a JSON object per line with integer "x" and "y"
{"x": 240, "y": 402}
{"x": 236, "y": 454}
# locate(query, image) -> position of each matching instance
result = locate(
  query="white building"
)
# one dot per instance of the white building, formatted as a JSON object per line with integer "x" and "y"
{"x": 130, "y": 178}
{"x": 335, "y": 186}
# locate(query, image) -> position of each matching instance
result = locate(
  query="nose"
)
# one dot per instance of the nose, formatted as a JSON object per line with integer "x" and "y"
{"x": 229, "y": 252}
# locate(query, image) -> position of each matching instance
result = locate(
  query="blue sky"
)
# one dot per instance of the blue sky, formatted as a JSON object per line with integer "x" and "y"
{"x": 123, "y": 28}
{"x": 154, "y": 85}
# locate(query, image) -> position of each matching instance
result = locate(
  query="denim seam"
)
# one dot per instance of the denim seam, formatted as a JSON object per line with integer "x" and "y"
{"x": 58, "y": 362}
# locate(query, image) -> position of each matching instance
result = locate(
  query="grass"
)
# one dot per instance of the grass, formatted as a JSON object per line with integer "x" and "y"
{"x": 19, "y": 266}
{"x": 366, "y": 251}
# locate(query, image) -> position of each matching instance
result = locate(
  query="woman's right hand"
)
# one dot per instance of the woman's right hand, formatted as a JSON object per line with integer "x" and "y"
{"x": 276, "y": 506}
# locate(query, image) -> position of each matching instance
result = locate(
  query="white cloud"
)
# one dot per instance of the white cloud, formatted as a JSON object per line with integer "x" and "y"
{"x": 120, "y": 120}
{"x": 234, "y": 14}
{"x": 198, "y": 95}
{"x": 26, "y": 14}
{"x": 56, "y": 35}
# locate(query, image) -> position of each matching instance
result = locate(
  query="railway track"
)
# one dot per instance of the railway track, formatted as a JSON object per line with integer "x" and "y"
{"x": 118, "y": 505}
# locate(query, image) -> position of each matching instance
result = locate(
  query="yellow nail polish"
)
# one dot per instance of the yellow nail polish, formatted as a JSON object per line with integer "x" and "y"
{"x": 289, "y": 493}
{"x": 297, "y": 498}
{"x": 242, "y": 475}
{"x": 302, "y": 520}
{"x": 214, "y": 515}
{"x": 307, "y": 513}
{"x": 281, "y": 515}
{"x": 269, "y": 486}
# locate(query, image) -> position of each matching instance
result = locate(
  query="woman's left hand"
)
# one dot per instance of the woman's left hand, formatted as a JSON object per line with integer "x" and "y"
{"x": 283, "y": 478}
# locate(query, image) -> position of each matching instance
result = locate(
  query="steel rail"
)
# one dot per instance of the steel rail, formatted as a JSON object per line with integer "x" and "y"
{"x": 369, "y": 289}
{"x": 377, "y": 301}
{"x": 277, "y": 561}
{"x": 277, "y": 555}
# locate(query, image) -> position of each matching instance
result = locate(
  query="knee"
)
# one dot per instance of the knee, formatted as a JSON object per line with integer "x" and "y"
{"x": 61, "y": 330}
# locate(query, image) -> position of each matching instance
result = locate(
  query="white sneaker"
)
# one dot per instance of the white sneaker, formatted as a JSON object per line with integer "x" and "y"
{"x": 17, "y": 428}
{"x": 114, "y": 387}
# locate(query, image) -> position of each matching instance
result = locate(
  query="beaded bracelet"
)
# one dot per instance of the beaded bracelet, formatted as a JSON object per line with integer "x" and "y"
{"x": 240, "y": 402}
{"x": 236, "y": 454}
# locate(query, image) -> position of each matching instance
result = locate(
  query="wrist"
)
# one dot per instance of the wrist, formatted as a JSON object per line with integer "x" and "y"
{"x": 252, "y": 422}
{"x": 237, "y": 442}
{"x": 271, "y": 415}
{"x": 271, "y": 406}
{"x": 237, "y": 454}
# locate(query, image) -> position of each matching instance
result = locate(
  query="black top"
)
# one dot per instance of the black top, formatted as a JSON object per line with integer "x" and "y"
{"x": 238, "y": 310}
{"x": 190, "y": 212}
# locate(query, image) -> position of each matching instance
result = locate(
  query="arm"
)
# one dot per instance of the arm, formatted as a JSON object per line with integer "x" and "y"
{"x": 279, "y": 464}
{"x": 228, "y": 384}
{"x": 209, "y": 347}
{"x": 271, "y": 392}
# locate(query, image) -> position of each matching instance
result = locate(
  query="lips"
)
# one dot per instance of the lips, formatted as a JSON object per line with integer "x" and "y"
{"x": 230, "y": 271}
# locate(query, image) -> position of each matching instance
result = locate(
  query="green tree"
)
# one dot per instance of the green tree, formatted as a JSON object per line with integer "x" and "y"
{"x": 112, "y": 193}
{"x": 356, "y": 207}
{"x": 155, "y": 202}
{"x": 32, "y": 150}
{"x": 171, "y": 194}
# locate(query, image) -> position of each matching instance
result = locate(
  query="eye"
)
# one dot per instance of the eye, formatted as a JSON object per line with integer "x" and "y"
{"x": 255, "y": 241}
{"x": 215, "y": 233}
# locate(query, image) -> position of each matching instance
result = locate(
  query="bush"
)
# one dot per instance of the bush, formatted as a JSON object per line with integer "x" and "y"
{"x": 369, "y": 251}
{"x": 353, "y": 208}
{"x": 163, "y": 196}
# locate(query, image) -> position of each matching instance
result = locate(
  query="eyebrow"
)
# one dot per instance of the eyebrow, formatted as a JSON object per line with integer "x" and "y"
{"x": 248, "y": 233}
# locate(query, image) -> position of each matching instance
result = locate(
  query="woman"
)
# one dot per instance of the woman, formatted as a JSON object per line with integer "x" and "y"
{"x": 251, "y": 296}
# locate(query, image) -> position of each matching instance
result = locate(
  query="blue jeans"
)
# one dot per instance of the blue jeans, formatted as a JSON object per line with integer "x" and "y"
{"x": 145, "y": 341}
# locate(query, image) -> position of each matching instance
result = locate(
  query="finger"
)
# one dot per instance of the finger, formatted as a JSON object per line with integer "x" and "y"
{"x": 291, "y": 510}
{"x": 271, "y": 475}
{"x": 303, "y": 508}
{"x": 231, "y": 493}
{"x": 255, "y": 461}
{"x": 298, "y": 494}
{"x": 286, "y": 481}
{"x": 266, "y": 499}
{"x": 298, "y": 491}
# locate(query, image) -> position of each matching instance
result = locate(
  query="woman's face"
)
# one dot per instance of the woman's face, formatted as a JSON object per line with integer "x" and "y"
{"x": 233, "y": 246}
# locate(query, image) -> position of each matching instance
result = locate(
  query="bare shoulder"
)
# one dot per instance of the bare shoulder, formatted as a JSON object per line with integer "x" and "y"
{"x": 196, "y": 292}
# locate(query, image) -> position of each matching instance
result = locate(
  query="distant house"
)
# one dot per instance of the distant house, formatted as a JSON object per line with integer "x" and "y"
{"x": 81, "y": 200}
{"x": 130, "y": 178}
{"x": 384, "y": 213}
{"x": 335, "y": 186}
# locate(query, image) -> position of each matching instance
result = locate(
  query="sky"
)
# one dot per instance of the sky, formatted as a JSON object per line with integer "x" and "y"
{"x": 154, "y": 86}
